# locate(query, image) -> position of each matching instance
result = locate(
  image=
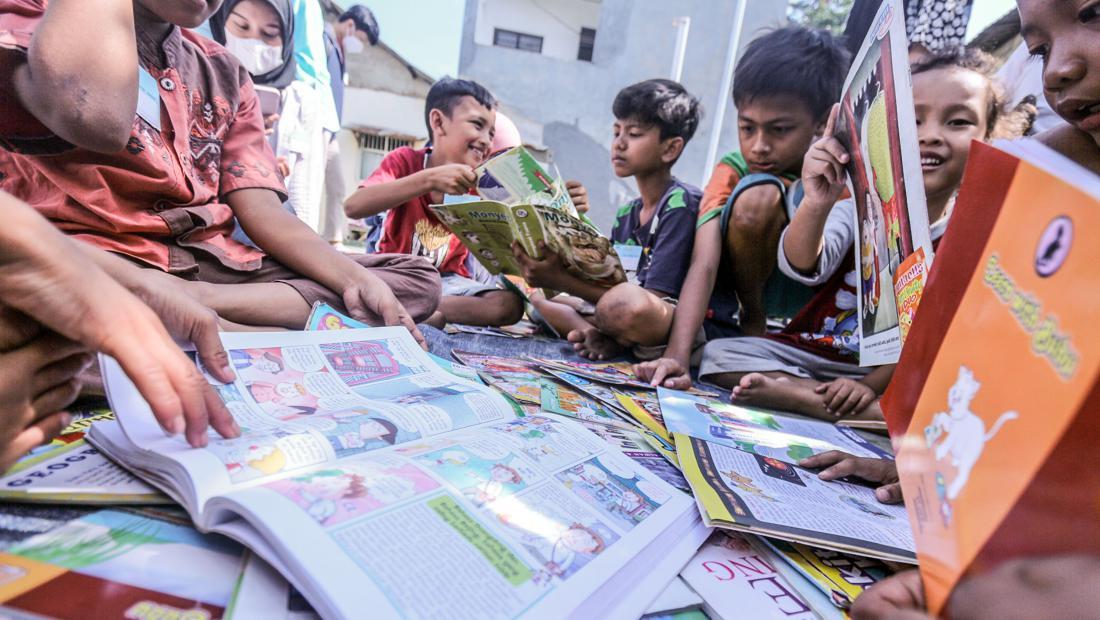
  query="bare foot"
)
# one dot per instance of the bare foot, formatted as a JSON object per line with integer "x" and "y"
{"x": 590, "y": 343}
{"x": 436, "y": 320}
{"x": 785, "y": 393}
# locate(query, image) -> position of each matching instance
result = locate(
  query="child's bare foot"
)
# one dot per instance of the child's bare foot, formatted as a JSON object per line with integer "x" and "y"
{"x": 590, "y": 343}
{"x": 436, "y": 320}
{"x": 785, "y": 393}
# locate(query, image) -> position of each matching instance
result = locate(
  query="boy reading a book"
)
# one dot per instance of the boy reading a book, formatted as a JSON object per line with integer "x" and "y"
{"x": 161, "y": 187}
{"x": 654, "y": 120}
{"x": 783, "y": 87}
{"x": 460, "y": 118}
{"x": 812, "y": 366}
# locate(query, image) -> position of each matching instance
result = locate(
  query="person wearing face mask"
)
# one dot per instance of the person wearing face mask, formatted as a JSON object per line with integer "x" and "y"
{"x": 352, "y": 32}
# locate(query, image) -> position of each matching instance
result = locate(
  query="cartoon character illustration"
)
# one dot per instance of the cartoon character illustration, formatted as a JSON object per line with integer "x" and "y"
{"x": 500, "y": 477}
{"x": 322, "y": 490}
{"x": 746, "y": 484}
{"x": 431, "y": 241}
{"x": 265, "y": 459}
{"x": 277, "y": 393}
{"x": 357, "y": 433}
{"x": 263, "y": 360}
{"x": 966, "y": 434}
{"x": 332, "y": 322}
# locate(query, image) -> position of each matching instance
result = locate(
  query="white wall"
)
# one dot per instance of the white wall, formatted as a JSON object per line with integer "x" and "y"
{"x": 558, "y": 22}
{"x": 384, "y": 112}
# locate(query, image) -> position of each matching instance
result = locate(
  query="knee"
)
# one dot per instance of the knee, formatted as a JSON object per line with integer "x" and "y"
{"x": 423, "y": 288}
{"x": 622, "y": 312}
{"x": 757, "y": 210}
{"x": 506, "y": 308}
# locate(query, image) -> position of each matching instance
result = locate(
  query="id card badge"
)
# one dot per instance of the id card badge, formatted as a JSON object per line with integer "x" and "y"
{"x": 148, "y": 107}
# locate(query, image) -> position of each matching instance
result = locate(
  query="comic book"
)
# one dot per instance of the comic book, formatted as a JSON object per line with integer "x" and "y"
{"x": 840, "y": 576}
{"x": 739, "y": 579}
{"x": 639, "y": 446}
{"x": 68, "y": 470}
{"x": 563, "y": 400}
{"x": 995, "y": 410}
{"x": 370, "y": 478}
{"x": 522, "y": 203}
{"x": 741, "y": 465}
{"x": 893, "y": 245}
{"x": 113, "y": 564}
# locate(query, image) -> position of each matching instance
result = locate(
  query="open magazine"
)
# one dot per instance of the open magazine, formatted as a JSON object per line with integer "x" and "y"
{"x": 741, "y": 465}
{"x": 893, "y": 244}
{"x": 372, "y": 479}
{"x": 520, "y": 202}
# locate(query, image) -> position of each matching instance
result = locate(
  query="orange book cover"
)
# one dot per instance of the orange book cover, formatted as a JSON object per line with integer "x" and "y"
{"x": 1003, "y": 387}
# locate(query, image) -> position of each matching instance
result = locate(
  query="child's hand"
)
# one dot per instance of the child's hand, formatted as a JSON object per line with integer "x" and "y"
{"x": 539, "y": 273}
{"x": 899, "y": 597}
{"x": 369, "y": 299}
{"x": 838, "y": 464}
{"x": 845, "y": 397}
{"x": 664, "y": 372}
{"x": 452, "y": 179}
{"x": 269, "y": 123}
{"x": 38, "y": 371}
{"x": 823, "y": 173}
{"x": 578, "y": 194}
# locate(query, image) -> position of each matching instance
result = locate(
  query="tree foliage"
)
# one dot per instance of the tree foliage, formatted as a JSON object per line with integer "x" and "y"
{"x": 827, "y": 14}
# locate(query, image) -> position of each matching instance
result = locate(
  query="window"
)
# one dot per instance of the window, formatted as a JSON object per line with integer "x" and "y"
{"x": 517, "y": 40}
{"x": 374, "y": 149}
{"x": 588, "y": 44}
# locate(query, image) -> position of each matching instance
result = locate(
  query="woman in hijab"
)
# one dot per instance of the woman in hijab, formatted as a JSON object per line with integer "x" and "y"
{"x": 260, "y": 33}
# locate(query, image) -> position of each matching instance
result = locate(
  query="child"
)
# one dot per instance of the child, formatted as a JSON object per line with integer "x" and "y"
{"x": 460, "y": 117}
{"x": 783, "y": 87}
{"x": 655, "y": 120}
{"x": 811, "y": 367}
{"x": 57, "y": 306}
{"x": 162, "y": 187}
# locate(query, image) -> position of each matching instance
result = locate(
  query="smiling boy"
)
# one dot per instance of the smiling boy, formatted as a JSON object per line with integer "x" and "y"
{"x": 460, "y": 115}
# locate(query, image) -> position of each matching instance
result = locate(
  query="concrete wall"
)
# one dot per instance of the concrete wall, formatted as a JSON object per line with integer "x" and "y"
{"x": 558, "y": 22}
{"x": 635, "y": 41}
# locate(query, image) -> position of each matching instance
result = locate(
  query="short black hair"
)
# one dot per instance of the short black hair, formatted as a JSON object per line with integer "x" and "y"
{"x": 662, "y": 103}
{"x": 807, "y": 64}
{"x": 446, "y": 92}
{"x": 364, "y": 21}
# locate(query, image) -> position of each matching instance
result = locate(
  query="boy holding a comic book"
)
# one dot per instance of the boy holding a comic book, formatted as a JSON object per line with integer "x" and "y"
{"x": 460, "y": 115}
{"x": 655, "y": 120}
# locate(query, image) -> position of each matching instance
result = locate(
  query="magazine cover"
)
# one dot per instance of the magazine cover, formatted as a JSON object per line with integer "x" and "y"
{"x": 877, "y": 124}
{"x": 1000, "y": 396}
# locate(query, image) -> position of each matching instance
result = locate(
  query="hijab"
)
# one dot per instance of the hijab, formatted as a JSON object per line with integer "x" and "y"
{"x": 281, "y": 76}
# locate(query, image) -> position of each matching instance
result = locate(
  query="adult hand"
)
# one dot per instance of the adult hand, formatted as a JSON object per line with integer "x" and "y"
{"x": 541, "y": 273}
{"x": 49, "y": 277}
{"x": 38, "y": 379}
{"x": 836, "y": 464}
{"x": 664, "y": 372}
{"x": 899, "y": 597}
{"x": 453, "y": 179}
{"x": 823, "y": 173}
{"x": 371, "y": 300}
{"x": 578, "y": 194}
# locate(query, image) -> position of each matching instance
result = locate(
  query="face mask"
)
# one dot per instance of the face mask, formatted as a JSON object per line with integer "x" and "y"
{"x": 352, "y": 45}
{"x": 255, "y": 56}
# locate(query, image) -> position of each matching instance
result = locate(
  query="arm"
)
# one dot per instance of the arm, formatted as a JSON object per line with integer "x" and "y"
{"x": 879, "y": 378}
{"x": 672, "y": 370}
{"x": 823, "y": 178}
{"x": 382, "y": 193}
{"x": 88, "y": 103}
{"x": 719, "y": 188}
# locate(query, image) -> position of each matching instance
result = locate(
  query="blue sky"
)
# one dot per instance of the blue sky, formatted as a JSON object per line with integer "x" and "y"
{"x": 428, "y": 33}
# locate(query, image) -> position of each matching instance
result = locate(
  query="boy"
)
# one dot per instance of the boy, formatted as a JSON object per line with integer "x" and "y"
{"x": 460, "y": 118}
{"x": 161, "y": 187}
{"x": 654, "y": 120}
{"x": 784, "y": 86}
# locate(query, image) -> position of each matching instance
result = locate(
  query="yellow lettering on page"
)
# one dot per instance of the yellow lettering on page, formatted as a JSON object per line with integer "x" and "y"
{"x": 1016, "y": 363}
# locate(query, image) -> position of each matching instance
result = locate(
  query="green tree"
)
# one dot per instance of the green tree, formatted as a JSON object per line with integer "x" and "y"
{"x": 827, "y": 14}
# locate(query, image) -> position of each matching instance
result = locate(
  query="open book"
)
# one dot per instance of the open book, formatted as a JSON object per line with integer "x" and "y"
{"x": 893, "y": 244}
{"x": 521, "y": 203}
{"x": 742, "y": 466}
{"x": 372, "y": 479}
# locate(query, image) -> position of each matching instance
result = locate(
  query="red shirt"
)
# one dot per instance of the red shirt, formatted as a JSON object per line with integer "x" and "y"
{"x": 411, "y": 228}
{"x": 162, "y": 198}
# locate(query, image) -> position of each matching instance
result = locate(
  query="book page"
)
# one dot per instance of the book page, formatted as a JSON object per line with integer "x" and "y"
{"x": 585, "y": 252}
{"x": 765, "y": 495}
{"x": 893, "y": 246}
{"x": 487, "y": 229}
{"x": 495, "y": 521}
{"x": 304, "y": 398}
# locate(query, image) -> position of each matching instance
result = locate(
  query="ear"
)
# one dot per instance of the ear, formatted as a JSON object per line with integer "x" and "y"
{"x": 438, "y": 122}
{"x": 671, "y": 149}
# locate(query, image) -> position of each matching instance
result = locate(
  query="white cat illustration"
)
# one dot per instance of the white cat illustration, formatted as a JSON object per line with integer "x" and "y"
{"x": 966, "y": 434}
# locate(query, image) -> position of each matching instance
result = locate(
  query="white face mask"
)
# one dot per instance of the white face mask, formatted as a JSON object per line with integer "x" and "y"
{"x": 352, "y": 45}
{"x": 255, "y": 56}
